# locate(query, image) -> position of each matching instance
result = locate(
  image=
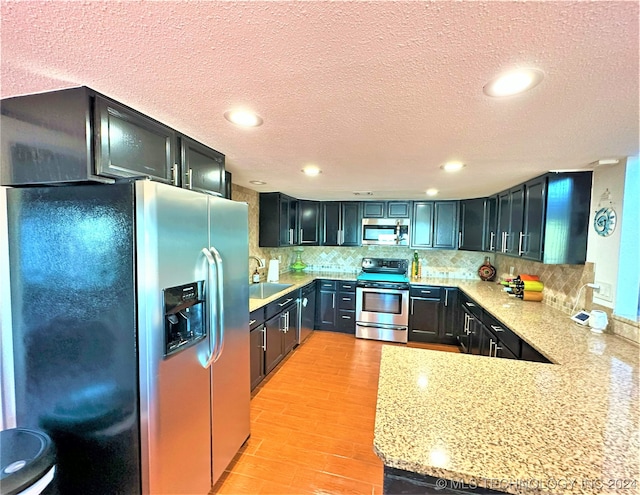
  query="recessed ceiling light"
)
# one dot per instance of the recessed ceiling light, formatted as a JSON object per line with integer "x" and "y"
{"x": 513, "y": 82}
{"x": 432, "y": 192}
{"x": 452, "y": 166}
{"x": 311, "y": 170}
{"x": 243, "y": 118}
{"x": 257, "y": 182}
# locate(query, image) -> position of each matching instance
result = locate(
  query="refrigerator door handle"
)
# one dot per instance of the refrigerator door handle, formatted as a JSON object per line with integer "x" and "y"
{"x": 219, "y": 301}
{"x": 210, "y": 309}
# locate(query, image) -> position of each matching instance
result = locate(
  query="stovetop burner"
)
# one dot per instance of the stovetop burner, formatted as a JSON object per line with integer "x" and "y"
{"x": 381, "y": 270}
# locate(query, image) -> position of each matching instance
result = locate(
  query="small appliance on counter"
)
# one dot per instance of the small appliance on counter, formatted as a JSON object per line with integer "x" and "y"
{"x": 598, "y": 321}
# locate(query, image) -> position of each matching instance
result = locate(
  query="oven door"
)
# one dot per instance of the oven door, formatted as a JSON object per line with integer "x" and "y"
{"x": 382, "y": 306}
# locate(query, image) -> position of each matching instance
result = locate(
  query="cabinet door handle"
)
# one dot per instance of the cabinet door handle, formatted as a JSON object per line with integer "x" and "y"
{"x": 190, "y": 179}
{"x": 412, "y": 299}
{"x": 174, "y": 174}
{"x": 496, "y": 328}
{"x": 459, "y": 238}
{"x": 496, "y": 348}
{"x": 520, "y": 250}
{"x": 491, "y": 238}
{"x": 285, "y": 303}
{"x": 446, "y": 297}
{"x": 251, "y": 322}
{"x": 491, "y": 348}
{"x": 264, "y": 338}
{"x": 333, "y": 300}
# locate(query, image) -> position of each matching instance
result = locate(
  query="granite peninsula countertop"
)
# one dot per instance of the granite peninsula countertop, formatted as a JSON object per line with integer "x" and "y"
{"x": 515, "y": 426}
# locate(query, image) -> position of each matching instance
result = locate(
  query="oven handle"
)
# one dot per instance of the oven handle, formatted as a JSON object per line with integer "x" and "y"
{"x": 384, "y": 291}
{"x": 381, "y": 325}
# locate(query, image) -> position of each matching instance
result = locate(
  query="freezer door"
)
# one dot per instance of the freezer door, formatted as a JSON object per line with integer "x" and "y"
{"x": 230, "y": 386}
{"x": 172, "y": 230}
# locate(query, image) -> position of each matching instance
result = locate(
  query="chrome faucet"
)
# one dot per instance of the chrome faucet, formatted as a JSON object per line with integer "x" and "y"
{"x": 260, "y": 263}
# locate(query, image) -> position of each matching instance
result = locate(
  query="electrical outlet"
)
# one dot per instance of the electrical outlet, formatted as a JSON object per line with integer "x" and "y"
{"x": 604, "y": 292}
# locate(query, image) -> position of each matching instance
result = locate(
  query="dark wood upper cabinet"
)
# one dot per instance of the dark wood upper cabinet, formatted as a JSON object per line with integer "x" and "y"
{"x": 373, "y": 209}
{"x": 546, "y": 219}
{"x": 490, "y": 241}
{"x": 472, "y": 224}
{"x": 278, "y": 220}
{"x": 386, "y": 209}
{"x": 309, "y": 222}
{"x": 202, "y": 167}
{"x": 341, "y": 223}
{"x": 435, "y": 224}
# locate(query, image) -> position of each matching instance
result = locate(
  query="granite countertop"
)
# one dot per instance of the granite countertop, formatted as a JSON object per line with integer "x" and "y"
{"x": 515, "y": 426}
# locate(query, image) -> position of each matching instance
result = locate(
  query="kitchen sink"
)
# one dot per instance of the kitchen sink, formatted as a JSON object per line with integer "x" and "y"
{"x": 266, "y": 289}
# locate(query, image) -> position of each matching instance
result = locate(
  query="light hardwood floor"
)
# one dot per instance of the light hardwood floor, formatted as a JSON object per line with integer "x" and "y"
{"x": 312, "y": 423}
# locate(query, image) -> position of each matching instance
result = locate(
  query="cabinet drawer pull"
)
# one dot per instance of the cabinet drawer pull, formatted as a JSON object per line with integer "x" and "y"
{"x": 346, "y": 317}
{"x": 421, "y": 331}
{"x": 285, "y": 303}
{"x": 470, "y": 304}
{"x": 347, "y": 298}
{"x": 251, "y": 322}
{"x": 497, "y": 328}
{"x": 425, "y": 291}
{"x": 347, "y": 286}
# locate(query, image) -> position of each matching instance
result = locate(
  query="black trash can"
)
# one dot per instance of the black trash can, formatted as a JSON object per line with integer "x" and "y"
{"x": 27, "y": 461}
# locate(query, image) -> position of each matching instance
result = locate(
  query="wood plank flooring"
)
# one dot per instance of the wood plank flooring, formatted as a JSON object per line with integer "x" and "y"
{"x": 312, "y": 423}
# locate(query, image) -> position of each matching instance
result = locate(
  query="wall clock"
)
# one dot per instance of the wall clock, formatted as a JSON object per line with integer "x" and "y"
{"x": 604, "y": 222}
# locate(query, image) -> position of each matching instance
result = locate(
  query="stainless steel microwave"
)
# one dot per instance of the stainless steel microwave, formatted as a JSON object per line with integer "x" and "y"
{"x": 385, "y": 231}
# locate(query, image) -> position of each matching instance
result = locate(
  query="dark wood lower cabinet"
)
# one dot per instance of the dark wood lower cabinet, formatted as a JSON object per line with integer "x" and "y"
{"x": 274, "y": 351}
{"x": 424, "y": 315}
{"x": 257, "y": 341}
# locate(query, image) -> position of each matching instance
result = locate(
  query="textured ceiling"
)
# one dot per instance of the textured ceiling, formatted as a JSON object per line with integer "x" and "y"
{"x": 378, "y": 95}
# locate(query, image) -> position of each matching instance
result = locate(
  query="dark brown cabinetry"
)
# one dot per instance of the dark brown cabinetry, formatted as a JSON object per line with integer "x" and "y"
{"x": 450, "y": 316}
{"x": 346, "y": 318}
{"x": 202, "y": 167}
{"x": 281, "y": 329}
{"x": 435, "y": 224}
{"x": 479, "y": 332}
{"x": 510, "y": 208}
{"x": 472, "y": 224}
{"x": 341, "y": 221}
{"x": 258, "y": 344}
{"x": 386, "y": 209}
{"x": 546, "y": 219}
{"x": 278, "y": 220}
{"x": 424, "y": 314}
{"x": 79, "y": 135}
{"x": 326, "y": 307}
{"x": 490, "y": 242}
{"x": 336, "y": 304}
{"x": 309, "y": 223}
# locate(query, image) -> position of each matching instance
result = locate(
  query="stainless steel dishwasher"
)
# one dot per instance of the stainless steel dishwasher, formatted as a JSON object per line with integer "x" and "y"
{"x": 307, "y": 311}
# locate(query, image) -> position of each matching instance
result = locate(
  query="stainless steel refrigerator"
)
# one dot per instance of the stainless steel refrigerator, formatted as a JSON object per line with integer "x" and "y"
{"x": 130, "y": 332}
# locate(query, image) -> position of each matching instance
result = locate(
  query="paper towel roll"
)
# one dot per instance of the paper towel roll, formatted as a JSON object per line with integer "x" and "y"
{"x": 273, "y": 275}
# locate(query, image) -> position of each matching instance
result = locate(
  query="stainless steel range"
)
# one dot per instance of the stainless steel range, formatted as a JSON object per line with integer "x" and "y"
{"x": 382, "y": 300}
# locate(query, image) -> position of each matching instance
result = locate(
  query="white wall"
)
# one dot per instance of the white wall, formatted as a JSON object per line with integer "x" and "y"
{"x": 604, "y": 251}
